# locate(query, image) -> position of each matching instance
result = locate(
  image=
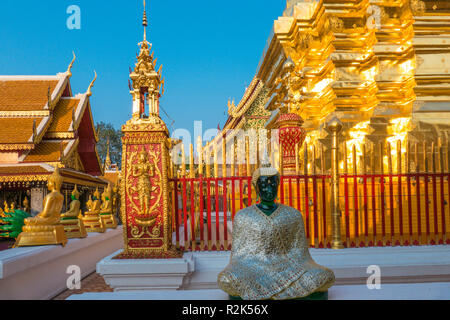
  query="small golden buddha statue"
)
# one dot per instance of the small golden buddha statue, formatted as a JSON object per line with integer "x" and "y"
{"x": 92, "y": 219}
{"x": 45, "y": 228}
{"x": 72, "y": 219}
{"x": 106, "y": 211}
{"x": 6, "y": 208}
{"x": 115, "y": 202}
{"x": 270, "y": 257}
{"x": 26, "y": 205}
{"x": 89, "y": 203}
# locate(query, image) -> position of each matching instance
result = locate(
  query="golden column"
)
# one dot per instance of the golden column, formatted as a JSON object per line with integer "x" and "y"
{"x": 334, "y": 127}
{"x": 146, "y": 211}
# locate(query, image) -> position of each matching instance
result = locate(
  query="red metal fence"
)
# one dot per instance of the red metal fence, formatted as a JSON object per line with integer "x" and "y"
{"x": 379, "y": 206}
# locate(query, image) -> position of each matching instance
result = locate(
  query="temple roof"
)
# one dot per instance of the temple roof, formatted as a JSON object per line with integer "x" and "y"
{"x": 47, "y": 151}
{"x": 43, "y": 122}
{"x": 40, "y": 172}
{"x": 63, "y": 113}
{"x": 24, "y": 95}
{"x": 18, "y": 131}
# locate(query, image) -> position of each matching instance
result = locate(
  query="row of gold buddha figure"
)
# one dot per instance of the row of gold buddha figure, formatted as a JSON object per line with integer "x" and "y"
{"x": 53, "y": 227}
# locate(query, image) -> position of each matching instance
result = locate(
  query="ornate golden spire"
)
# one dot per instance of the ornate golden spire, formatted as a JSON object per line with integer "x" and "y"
{"x": 147, "y": 83}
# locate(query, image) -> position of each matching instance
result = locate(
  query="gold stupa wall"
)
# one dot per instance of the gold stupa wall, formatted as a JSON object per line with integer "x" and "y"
{"x": 380, "y": 66}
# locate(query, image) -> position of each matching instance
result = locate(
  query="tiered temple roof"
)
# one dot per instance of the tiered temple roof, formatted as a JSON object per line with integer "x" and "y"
{"x": 42, "y": 125}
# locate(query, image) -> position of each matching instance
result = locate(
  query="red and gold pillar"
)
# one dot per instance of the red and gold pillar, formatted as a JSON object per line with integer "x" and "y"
{"x": 291, "y": 133}
{"x": 146, "y": 211}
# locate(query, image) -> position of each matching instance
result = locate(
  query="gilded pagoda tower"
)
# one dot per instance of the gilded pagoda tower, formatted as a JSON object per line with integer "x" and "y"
{"x": 380, "y": 66}
{"x": 146, "y": 212}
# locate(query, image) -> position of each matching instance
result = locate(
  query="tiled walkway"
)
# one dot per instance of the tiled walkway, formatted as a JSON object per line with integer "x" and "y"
{"x": 92, "y": 283}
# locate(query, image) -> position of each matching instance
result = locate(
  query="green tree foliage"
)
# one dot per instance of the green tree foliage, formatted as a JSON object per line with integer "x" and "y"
{"x": 106, "y": 131}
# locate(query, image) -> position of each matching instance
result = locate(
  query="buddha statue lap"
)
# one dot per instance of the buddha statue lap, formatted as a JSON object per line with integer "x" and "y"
{"x": 92, "y": 219}
{"x": 72, "y": 219}
{"x": 270, "y": 257}
{"x": 45, "y": 228}
{"x": 106, "y": 212}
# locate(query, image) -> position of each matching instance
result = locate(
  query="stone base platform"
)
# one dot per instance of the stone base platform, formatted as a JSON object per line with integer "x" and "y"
{"x": 199, "y": 270}
{"x": 408, "y": 291}
{"x": 41, "y": 272}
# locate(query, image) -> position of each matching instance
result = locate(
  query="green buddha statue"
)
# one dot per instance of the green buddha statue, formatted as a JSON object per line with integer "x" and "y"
{"x": 270, "y": 257}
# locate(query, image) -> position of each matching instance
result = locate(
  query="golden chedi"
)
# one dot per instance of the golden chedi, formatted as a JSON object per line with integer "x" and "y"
{"x": 92, "y": 219}
{"x": 106, "y": 211}
{"x": 270, "y": 257}
{"x": 72, "y": 219}
{"x": 45, "y": 228}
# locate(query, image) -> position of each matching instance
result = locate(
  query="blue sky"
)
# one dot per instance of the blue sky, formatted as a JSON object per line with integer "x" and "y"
{"x": 209, "y": 50}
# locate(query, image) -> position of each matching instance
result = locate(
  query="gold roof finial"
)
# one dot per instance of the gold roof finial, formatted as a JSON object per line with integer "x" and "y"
{"x": 89, "y": 92}
{"x": 145, "y": 23}
{"x": 69, "y": 69}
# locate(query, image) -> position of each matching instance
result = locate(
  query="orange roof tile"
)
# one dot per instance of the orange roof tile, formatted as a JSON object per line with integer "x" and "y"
{"x": 46, "y": 152}
{"x": 22, "y": 170}
{"x": 17, "y": 130}
{"x": 25, "y": 95}
{"x": 62, "y": 115}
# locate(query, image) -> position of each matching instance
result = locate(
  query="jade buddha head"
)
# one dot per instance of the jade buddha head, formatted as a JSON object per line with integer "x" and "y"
{"x": 266, "y": 181}
{"x": 267, "y": 188}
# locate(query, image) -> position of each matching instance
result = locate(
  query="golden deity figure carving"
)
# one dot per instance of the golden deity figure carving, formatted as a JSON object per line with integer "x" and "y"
{"x": 270, "y": 257}
{"x": 92, "y": 219}
{"x": 106, "y": 211}
{"x": 26, "y": 205}
{"x": 6, "y": 208}
{"x": 143, "y": 171}
{"x": 115, "y": 199}
{"x": 45, "y": 228}
{"x": 72, "y": 219}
